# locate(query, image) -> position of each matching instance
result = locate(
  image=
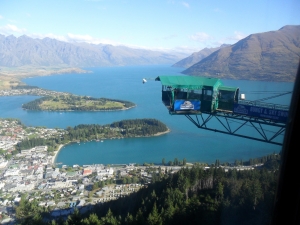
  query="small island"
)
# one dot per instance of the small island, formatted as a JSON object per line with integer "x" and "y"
{"x": 69, "y": 102}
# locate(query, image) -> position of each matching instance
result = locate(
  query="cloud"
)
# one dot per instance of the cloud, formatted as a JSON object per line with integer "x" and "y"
{"x": 89, "y": 39}
{"x": 200, "y": 37}
{"x": 14, "y": 30}
{"x": 182, "y": 51}
{"x": 9, "y": 28}
{"x": 236, "y": 36}
{"x": 1, "y": 17}
{"x": 187, "y": 49}
{"x": 185, "y": 4}
{"x": 76, "y": 38}
{"x": 216, "y": 44}
{"x": 80, "y": 38}
{"x": 49, "y": 35}
{"x": 12, "y": 21}
{"x": 239, "y": 35}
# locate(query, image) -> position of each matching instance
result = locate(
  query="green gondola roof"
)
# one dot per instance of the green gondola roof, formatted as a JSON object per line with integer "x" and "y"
{"x": 189, "y": 82}
{"x": 226, "y": 88}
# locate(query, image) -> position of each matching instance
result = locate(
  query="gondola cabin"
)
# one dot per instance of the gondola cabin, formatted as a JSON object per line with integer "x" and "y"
{"x": 184, "y": 95}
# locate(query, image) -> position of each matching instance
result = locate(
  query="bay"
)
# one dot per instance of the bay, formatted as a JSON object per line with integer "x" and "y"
{"x": 125, "y": 83}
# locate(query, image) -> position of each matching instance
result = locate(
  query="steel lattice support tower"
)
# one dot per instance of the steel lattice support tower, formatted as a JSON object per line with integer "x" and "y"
{"x": 264, "y": 130}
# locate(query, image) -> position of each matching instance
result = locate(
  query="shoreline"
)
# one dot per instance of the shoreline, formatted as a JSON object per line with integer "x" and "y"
{"x": 162, "y": 133}
{"x": 11, "y": 77}
{"x": 55, "y": 154}
{"x": 100, "y": 110}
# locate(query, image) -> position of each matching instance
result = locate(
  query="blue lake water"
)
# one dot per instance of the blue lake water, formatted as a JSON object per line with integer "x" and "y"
{"x": 184, "y": 141}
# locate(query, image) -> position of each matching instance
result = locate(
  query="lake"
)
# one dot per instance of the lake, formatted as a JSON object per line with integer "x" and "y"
{"x": 125, "y": 83}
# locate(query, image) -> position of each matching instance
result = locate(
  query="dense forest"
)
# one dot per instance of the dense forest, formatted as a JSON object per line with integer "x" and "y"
{"x": 120, "y": 129}
{"x": 76, "y": 103}
{"x": 52, "y": 143}
{"x": 191, "y": 196}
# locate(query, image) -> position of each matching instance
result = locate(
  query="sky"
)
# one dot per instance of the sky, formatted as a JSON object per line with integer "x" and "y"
{"x": 167, "y": 25}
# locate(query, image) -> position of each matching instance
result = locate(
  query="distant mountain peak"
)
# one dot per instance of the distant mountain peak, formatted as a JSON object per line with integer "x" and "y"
{"x": 197, "y": 57}
{"x": 289, "y": 27}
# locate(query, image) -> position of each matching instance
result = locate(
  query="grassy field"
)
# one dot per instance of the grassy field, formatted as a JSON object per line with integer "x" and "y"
{"x": 7, "y": 82}
{"x": 80, "y": 103}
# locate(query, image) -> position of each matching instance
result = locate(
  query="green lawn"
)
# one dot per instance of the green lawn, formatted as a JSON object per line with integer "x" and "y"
{"x": 65, "y": 104}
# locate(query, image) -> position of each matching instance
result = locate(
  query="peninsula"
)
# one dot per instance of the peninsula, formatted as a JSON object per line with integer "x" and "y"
{"x": 11, "y": 77}
{"x": 94, "y": 132}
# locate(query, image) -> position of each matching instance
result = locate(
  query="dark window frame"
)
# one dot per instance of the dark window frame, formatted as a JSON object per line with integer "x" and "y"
{"x": 287, "y": 198}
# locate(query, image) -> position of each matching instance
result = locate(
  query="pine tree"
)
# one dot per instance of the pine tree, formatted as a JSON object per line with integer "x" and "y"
{"x": 163, "y": 161}
{"x": 154, "y": 217}
{"x": 75, "y": 218}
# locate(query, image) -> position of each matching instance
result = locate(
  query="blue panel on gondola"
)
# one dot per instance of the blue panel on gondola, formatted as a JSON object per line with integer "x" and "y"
{"x": 261, "y": 112}
{"x": 184, "y": 105}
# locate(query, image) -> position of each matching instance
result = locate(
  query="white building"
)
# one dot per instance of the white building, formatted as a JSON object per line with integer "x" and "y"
{"x": 11, "y": 172}
{"x": 3, "y": 163}
{"x": 41, "y": 149}
{"x": 2, "y": 185}
{"x": 61, "y": 184}
{"x": 22, "y": 188}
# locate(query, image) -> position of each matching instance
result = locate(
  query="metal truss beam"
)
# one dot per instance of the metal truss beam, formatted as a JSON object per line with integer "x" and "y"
{"x": 225, "y": 119}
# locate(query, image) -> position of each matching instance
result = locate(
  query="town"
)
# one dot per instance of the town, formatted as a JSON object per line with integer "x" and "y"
{"x": 30, "y": 91}
{"x": 34, "y": 174}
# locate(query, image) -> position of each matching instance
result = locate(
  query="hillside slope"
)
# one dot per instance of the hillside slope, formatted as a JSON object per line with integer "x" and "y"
{"x": 269, "y": 56}
{"x": 197, "y": 57}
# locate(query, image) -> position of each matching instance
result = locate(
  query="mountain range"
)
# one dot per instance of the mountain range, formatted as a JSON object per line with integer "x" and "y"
{"x": 268, "y": 56}
{"x": 26, "y": 51}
